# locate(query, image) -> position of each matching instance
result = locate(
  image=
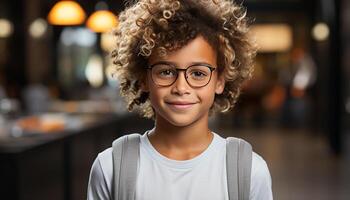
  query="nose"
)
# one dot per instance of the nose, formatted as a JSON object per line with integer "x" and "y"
{"x": 180, "y": 86}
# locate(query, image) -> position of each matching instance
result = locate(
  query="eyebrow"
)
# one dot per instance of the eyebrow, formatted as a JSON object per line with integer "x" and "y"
{"x": 174, "y": 63}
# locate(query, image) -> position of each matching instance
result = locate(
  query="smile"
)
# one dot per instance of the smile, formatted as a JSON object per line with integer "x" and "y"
{"x": 180, "y": 106}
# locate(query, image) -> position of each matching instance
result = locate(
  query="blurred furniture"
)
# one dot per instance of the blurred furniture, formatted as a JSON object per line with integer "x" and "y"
{"x": 36, "y": 98}
{"x": 56, "y": 165}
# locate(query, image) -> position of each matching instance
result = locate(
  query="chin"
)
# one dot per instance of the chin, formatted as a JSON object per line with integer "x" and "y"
{"x": 181, "y": 120}
{"x": 181, "y": 123}
{"x": 179, "y": 117}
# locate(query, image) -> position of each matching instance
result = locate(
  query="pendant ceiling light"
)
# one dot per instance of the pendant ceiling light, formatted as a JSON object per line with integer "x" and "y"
{"x": 102, "y": 20}
{"x": 66, "y": 13}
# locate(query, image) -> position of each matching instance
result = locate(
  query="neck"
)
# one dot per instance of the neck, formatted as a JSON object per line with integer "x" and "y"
{"x": 193, "y": 137}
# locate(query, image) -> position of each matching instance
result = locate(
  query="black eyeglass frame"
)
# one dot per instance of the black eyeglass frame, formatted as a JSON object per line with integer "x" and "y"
{"x": 184, "y": 70}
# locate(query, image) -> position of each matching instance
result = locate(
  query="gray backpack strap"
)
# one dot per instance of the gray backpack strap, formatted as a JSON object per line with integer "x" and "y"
{"x": 125, "y": 160}
{"x": 238, "y": 167}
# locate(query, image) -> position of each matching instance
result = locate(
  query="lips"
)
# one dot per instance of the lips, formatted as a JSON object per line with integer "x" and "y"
{"x": 180, "y": 105}
{"x": 180, "y": 102}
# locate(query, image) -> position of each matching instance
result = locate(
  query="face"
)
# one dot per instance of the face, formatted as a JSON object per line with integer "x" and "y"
{"x": 180, "y": 103}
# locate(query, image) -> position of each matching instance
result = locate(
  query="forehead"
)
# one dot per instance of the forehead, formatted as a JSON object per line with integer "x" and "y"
{"x": 197, "y": 50}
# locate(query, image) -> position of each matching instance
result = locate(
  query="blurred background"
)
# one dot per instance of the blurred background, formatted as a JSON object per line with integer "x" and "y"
{"x": 60, "y": 105}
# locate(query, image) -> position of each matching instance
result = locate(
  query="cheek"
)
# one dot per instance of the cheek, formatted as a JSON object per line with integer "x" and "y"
{"x": 155, "y": 94}
{"x": 207, "y": 95}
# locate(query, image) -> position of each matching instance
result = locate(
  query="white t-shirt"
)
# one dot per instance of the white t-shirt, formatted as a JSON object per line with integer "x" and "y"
{"x": 158, "y": 177}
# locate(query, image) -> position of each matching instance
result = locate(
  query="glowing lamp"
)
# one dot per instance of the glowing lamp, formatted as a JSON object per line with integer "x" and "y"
{"x": 102, "y": 21}
{"x": 66, "y": 13}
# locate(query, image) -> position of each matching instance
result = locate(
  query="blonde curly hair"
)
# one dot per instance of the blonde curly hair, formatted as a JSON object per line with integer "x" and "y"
{"x": 161, "y": 26}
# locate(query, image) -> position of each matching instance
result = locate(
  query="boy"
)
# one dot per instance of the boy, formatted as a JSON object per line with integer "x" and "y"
{"x": 178, "y": 62}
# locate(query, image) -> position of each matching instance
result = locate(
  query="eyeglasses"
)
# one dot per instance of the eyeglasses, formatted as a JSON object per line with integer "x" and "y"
{"x": 196, "y": 75}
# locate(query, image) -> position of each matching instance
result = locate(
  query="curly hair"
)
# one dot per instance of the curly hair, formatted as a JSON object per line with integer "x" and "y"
{"x": 161, "y": 26}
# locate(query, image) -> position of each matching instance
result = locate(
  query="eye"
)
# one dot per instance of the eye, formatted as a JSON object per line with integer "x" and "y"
{"x": 167, "y": 73}
{"x": 164, "y": 71}
{"x": 198, "y": 74}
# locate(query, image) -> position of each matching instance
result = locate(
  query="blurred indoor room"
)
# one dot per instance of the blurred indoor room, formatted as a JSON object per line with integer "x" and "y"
{"x": 60, "y": 104}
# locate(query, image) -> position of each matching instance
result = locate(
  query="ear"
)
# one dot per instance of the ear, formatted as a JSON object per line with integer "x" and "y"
{"x": 220, "y": 84}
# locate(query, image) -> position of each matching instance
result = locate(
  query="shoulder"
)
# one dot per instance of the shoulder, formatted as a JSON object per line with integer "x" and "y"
{"x": 259, "y": 165}
{"x": 105, "y": 160}
{"x": 260, "y": 179}
{"x": 101, "y": 175}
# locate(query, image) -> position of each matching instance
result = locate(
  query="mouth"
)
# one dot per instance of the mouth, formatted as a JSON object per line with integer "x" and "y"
{"x": 180, "y": 105}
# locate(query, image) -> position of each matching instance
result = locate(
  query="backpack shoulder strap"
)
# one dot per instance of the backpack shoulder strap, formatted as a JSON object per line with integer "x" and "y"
{"x": 238, "y": 167}
{"x": 125, "y": 158}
